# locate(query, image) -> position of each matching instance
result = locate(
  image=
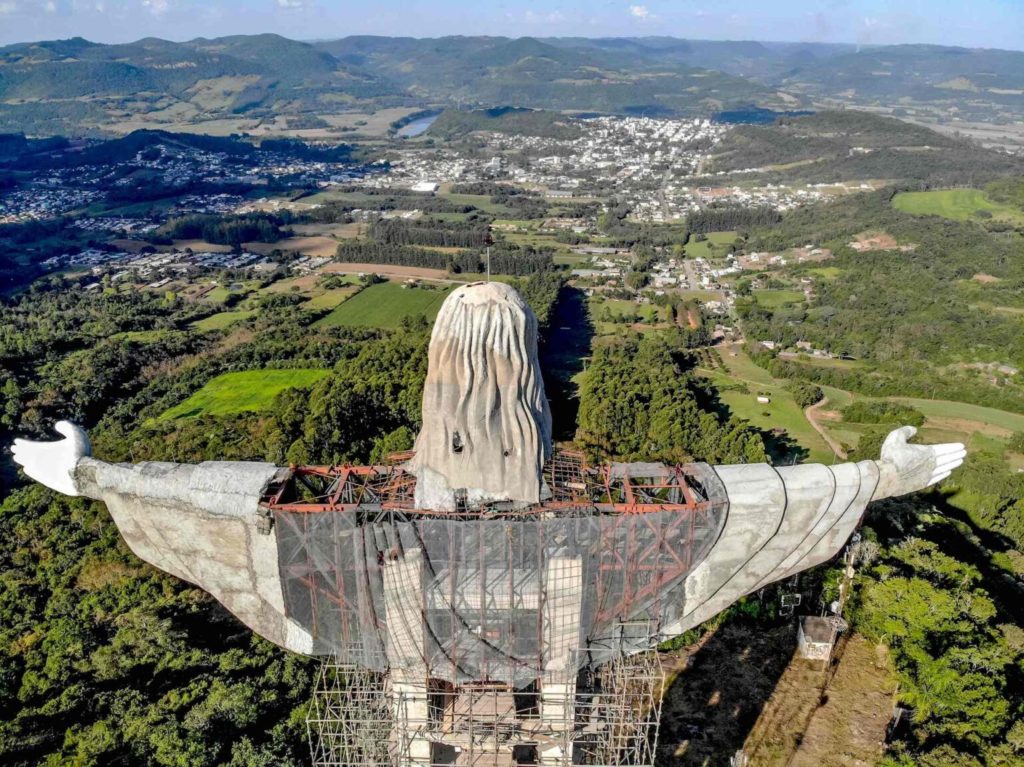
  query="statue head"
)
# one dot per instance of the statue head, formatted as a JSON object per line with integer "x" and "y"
{"x": 486, "y": 423}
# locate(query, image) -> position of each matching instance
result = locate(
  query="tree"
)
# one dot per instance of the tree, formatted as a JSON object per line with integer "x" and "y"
{"x": 805, "y": 394}
{"x": 1016, "y": 442}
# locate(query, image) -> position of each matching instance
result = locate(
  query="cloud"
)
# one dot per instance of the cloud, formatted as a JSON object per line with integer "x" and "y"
{"x": 292, "y": 4}
{"x": 8, "y": 6}
{"x": 157, "y": 7}
{"x": 640, "y": 11}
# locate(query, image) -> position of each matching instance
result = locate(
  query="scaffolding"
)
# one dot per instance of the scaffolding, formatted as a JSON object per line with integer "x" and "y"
{"x": 349, "y": 721}
{"x": 357, "y": 719}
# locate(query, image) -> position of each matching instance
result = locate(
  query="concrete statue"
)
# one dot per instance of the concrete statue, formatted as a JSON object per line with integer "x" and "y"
{"x": 486, "y": 562}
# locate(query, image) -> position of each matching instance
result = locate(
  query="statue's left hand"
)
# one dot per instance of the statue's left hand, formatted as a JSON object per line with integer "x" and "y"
{"x": 53, "y": 463}
{"x": 918, "y": 466}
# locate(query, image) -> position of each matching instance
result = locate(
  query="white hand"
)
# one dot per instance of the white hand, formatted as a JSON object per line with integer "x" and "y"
{"x": 53, "y": 463}
{"x": 919, "y": 466}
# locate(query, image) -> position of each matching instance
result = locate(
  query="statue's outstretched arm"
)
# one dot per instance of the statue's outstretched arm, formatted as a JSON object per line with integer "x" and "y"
{"x": 198, "y": 522}
{"x": 783, "y": 520}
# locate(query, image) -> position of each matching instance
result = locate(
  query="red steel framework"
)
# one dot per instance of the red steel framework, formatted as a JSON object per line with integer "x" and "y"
{"x": 618, "y": 488}
{"x": 635, "y": 496}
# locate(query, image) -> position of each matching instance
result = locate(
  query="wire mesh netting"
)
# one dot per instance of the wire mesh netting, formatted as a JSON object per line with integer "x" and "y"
{"x": 470, "y": 589}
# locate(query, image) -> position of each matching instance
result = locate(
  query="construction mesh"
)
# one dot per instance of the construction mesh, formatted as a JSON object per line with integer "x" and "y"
{"x": 475, "y": 597}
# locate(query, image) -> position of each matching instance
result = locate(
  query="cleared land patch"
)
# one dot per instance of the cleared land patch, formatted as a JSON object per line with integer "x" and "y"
{"x": 247, "y": 390}
{"x": 869, "y": 241}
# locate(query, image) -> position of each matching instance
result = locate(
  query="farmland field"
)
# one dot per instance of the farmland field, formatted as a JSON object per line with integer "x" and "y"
{"x": 330, "y": 299}
{"x": 713, "y": 246}
{"x": 242, "y": 391}
{"x": 780, "y": 412}
{"x": 222, "y": 320}
{"x": 385, "y": 305}
{"x": 739, "y": 379}
{"x": 959, "y": 204}
{"x": 776, "y": 298}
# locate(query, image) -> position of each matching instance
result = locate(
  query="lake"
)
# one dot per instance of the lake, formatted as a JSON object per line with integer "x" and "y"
{"x": 416, "y": 127}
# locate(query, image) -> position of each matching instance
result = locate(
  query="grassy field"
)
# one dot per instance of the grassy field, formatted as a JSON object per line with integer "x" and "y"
{"x": 222, "y": 320}
{"x": 713, "y": 246}
{"x": 384, "y": 306}
{"x": 479, "y": 201}
{"x": 826, "y": 272}
{"x": 781, "y": 412}
{"x": 618, "y": 308}
{"x": 773, "y": 299}
{"x": 959, "y": 204}
{"x": 220, "y": 293}
{"x": 329, "y": 299}
{"x": 938, "y": 408}
{"x": 739, "y": 381}
{"x": 242, "y": 391}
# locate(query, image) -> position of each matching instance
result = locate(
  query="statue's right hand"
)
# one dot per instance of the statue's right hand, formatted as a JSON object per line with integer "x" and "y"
{"x": 53, "y": 463}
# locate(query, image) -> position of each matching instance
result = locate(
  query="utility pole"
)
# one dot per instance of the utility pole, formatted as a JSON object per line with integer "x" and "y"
{"x": 488, "y": 241}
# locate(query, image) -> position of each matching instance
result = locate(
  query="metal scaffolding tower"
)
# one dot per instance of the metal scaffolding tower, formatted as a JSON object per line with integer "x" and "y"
{"x": 358, "y": 720}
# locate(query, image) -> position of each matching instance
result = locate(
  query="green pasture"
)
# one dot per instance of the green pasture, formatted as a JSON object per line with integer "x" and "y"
{"x": 143, "y": 336}
{"x": 249, "y": 390}
{"x": 958, "y": 204}
{"x": 480, "y": 202}
{"x": 222, "y": 320}
{"x": 773, "y": 299}
{"x": 617, "y": 309}
{"x": 781, "y": 412}
{"x": 712, "y": 247}
{"x": 939, "y": 408}
{"x": 384, "y": 306}
{"x": 329, "y": 299}
{"x": 826, "y": 272}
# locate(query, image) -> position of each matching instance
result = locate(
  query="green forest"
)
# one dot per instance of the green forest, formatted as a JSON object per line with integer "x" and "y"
{"x": 921, "y": 305}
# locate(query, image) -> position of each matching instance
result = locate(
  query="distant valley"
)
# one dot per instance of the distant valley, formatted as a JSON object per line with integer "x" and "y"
{"x": 359, "y": 87}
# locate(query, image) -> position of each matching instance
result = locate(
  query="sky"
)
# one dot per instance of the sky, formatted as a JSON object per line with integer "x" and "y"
{"x": 973, "y": 23}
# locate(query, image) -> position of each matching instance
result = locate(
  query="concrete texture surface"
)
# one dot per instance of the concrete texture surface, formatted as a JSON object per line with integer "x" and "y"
{"x": 486, "y": 424}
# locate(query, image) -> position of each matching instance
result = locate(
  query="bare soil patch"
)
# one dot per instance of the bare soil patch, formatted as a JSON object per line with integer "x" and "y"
{"x": 827, "y": 717}
{"x": 869, "y": 241}
{"x": 849, "y": 727}
{"x": 711, "y": 704}
{"x": 321, "y": 247}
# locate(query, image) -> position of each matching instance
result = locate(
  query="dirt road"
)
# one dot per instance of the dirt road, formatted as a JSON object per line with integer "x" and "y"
{"x": 812, "y": 413}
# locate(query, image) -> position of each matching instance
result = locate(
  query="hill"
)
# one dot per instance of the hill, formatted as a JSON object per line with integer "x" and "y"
{"x": 533, "y": 122}
{"x": 843, "y": 145}
{"x": 76, "y": 86}
{"x": 72, "y": 86}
